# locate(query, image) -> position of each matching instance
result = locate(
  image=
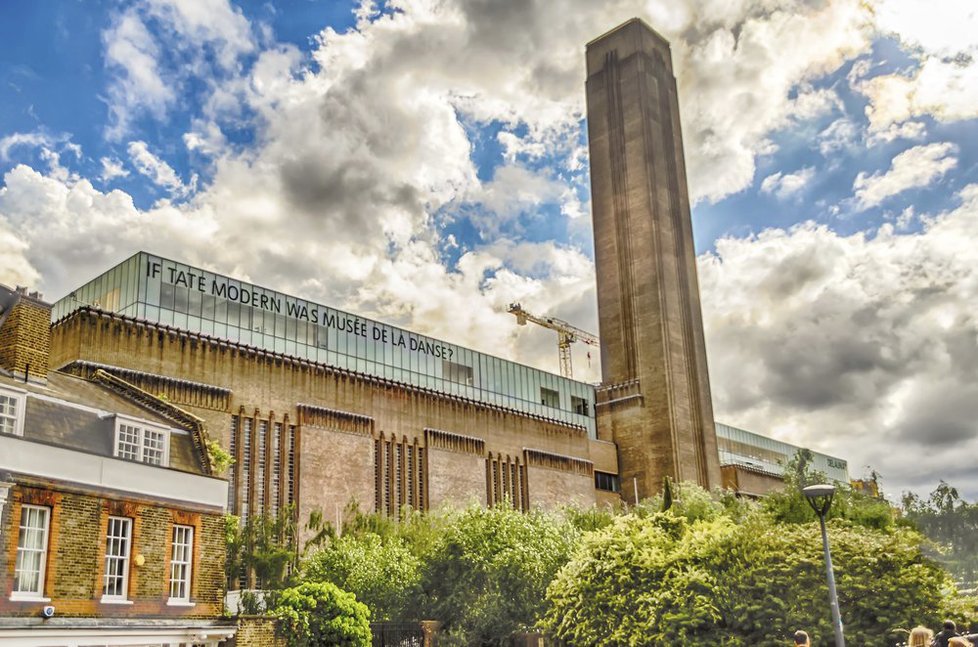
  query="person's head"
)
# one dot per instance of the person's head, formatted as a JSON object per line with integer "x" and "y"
{"x": 957, "y": 641}
{"x": 801, "y": 638}
{"x": 950, "y": 626}
{"x": 920, "y": 637}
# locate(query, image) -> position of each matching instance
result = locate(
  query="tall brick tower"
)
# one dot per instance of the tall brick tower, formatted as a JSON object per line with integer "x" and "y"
{"x": 654, "y": 401}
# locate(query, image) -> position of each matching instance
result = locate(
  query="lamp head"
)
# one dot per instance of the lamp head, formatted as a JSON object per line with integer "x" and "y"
{"x": 819, "y": 497}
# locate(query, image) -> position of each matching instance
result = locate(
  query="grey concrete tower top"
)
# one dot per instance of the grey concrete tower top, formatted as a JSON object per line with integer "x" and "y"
{"x": 654, "y": 402}
{"x": 630, "y": 37}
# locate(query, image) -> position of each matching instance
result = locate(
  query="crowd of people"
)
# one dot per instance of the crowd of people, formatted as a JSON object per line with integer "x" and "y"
{"x": 948, "y": 636}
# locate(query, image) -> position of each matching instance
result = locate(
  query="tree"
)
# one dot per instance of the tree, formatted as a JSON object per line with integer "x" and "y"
{"x": 319, "y": 614}
{"x": 788, "y": 505}
{"x": 382, "y": 572}
{"x": 488, "y": 571}
{"x": 661, "y": 579}
{"x": 263, "y": 547}
{"x": 952, "y": 524}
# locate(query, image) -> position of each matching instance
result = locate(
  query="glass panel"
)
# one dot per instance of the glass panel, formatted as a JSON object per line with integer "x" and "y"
{"x": 128, "y": 446}
{"x": 32, "y": 547}
{"x": 180, "y": 562}
{"x": 116, "y": 557}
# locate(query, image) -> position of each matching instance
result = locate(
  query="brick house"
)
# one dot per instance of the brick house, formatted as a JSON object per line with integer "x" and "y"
{"x": 111, "y": 528}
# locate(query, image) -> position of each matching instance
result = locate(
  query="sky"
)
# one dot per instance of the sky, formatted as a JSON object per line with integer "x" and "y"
{"x": 424, "y": 162}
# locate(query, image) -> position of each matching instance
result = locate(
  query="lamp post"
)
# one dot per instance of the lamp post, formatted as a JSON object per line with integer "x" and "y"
{"x": 820, "y": 498}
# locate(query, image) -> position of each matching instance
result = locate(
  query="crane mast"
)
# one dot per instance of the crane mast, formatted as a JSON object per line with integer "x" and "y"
{"x": 567, "y": 334}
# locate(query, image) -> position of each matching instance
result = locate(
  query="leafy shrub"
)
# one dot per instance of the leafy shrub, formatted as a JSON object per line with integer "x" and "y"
{"x": 319, "y": 614}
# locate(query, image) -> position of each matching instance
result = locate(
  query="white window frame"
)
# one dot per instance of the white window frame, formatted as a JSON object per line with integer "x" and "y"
{"x": 188, "y": 564}
{"x": 37, "y": 595}
{"x": 141, "y": 427}
{"x": 122, "y": 598}
{"x": 20, "y": 398}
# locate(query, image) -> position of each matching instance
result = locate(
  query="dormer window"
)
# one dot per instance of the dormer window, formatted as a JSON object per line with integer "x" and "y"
{"x": 12, "y": 411}
{"x": 138, "y": 441}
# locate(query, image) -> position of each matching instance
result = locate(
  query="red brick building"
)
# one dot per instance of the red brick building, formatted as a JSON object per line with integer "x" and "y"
{"x": 111, "y": 529}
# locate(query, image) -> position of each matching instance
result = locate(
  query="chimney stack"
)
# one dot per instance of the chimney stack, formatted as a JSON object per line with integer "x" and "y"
{"x": 25, "y": 333}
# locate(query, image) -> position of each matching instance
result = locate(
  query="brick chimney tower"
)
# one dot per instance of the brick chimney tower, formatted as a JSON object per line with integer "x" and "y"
{"x": 25, "y": 333}
{"x": 654, "y": 401}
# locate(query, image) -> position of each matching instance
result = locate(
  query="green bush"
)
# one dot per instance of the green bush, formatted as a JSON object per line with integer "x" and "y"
{"x": 487, "y": 573}
{"x": 319, "y": 614}
{"x": 662, "y": 580}
{"x": 380, "y": 571}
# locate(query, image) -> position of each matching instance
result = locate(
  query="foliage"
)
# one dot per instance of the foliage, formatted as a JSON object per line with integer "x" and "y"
{"x": 264, "y": 546}
{"x": 316, "y": 614}
{"x": 589, "y": 519}
{"x": 789, "y": 505}
{"x": 382, "y": 572}
{"x": 220, "y": 460}
{"x": 661, "y": 578}
{"x": 692, "y": 503}
{"x": 952, "y": 524}
{"x": 488, "y": 570}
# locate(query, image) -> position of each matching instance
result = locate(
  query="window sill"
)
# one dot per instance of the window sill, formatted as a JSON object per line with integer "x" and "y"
{"x": 171, "y": 602}
{"x": 27, "y": 597}
{"x": 105, "y": 600}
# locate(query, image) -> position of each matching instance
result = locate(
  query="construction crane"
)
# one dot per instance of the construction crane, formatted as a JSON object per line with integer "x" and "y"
{"x": 566, "y": 334}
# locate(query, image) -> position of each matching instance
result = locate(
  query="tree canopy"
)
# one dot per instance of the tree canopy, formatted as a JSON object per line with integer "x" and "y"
{"x": 663, "y": 580}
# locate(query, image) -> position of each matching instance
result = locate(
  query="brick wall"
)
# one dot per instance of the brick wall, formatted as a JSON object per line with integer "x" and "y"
{"x": 25, "y": 337}
{"x": 256, "y": 631}
{"x": 76, "y": 556}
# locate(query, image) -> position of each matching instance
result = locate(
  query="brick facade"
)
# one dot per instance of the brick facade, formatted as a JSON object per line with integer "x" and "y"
{"x": 652, "y": 348}
{"x": 343, "y": 422}
{"x": 76, "y": 556}
{"x": 25, "y": 336}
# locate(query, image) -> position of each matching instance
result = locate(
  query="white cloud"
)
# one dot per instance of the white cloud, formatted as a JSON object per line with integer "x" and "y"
{"x": 154, "y": 46}
{"x": 852, "y": 344}
{"x": 111, "y": 169}
{"x": 913, "y": 168}
{"x": 944, "y": 28}
{"x": 813, "y": 103}
{"x": 905, "y": 130}
{"x": 30, "y": 140}
{"x": 161, "y": 173}
{"x": 786, "y": 185}
{"x": 132, "y": 51}
{"x": 514, "y": 190}
{"x": 841, "y": 134}
{"x": 209, "y": 22}
{"x": 944, "y": 83}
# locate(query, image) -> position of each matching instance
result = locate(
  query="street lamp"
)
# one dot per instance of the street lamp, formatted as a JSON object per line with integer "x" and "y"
{"x": 820, "y": 498}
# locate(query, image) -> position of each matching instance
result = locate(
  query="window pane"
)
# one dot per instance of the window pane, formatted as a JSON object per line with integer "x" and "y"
{"x": 116, "y": 557}
{"x": 31, "y": 550}
{"x": 153, "y": 447}
{"x": 128, "y": 442}
{"x": 180, "y": 562}
{"x": 8, "y": 414}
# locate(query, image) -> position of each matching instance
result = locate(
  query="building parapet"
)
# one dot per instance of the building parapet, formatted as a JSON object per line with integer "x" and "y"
{"x": 561, "y": 462}
{"x": 437, "y": 439}
{"x": 316, "y": 416}
{"x": 197, "y": 394}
